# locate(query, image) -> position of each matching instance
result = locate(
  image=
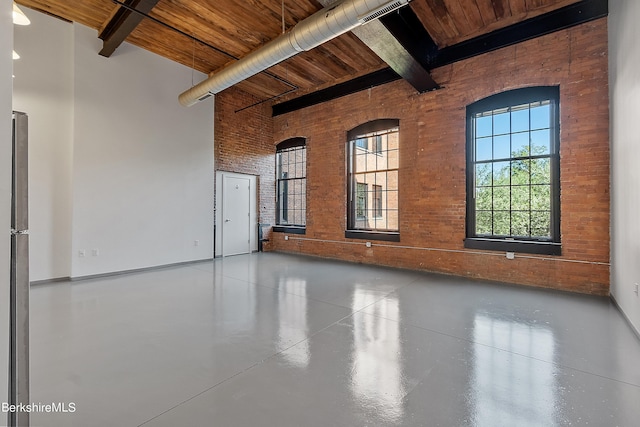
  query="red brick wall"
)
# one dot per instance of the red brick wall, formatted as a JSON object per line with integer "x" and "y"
{"x": 244, "y": 144}
{"x": 432, "y": 164}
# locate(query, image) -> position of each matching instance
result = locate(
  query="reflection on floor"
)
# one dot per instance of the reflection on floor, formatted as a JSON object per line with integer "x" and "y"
{"x": 280, "y": 340}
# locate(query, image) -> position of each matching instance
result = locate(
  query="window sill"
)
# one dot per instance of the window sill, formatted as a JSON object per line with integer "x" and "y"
{"x": 289, "y": 229}
{"x": 372, "y": 235}
{"x": 523, "y": 246}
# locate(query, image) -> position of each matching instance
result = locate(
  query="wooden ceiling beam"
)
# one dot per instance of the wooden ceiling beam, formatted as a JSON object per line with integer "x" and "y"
{"x": 377, "y": 78}
{"x": 122, "y": 23}
{"x": 417, "y": 47}
{"x": 380, "y": 40}
{"x": 391, "y": 50}
{"x": 556, "y": 20}
{"x": 560, "y": 19}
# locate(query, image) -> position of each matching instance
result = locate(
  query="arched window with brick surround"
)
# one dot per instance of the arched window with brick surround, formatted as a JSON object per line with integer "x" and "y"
{"x": 513, "y": 172}
{"x": 372, "y": 182}
{"x": 291, "y": 185}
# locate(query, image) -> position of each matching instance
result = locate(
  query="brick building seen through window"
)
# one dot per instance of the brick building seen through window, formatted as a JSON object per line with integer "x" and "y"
{"x": 373, "y": 150}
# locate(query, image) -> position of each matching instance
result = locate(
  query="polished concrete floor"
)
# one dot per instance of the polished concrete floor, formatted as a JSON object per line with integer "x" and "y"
{"x": 279, "y": 340}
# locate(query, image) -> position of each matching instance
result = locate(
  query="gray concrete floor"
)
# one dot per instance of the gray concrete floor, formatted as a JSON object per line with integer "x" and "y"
{"x": 280, "y": 340}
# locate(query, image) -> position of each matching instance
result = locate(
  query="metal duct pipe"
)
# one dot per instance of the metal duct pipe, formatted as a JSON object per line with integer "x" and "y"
{"x": 319, "y": 28}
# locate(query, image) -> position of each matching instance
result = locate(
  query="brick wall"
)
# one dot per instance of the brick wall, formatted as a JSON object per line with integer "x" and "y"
{"x": 432, "y": 164}
{"x": 244, "y": 144}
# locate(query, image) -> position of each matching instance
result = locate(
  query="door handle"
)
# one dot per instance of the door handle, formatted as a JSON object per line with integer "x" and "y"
{"x": 227, "y": 220}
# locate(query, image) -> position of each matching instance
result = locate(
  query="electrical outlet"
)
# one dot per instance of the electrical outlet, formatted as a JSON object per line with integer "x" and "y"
{"x": 81, "y": 253}
{"x": 636, "y": 289}
{"x": 95, "y": 252}
{"x": 286, "y": 237}
{"x": 196, "y": 243}
{"x": 368, "y": 244}
{"x": 511, "y": 255}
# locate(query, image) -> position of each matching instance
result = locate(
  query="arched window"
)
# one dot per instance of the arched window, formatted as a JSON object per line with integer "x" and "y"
{"x": 291, "y": 185}
{"x": 372, "y": 184}
{"x": 513, "y": 172}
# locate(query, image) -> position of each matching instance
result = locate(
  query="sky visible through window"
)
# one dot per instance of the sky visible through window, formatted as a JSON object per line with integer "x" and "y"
{"x": 501, "y": 133}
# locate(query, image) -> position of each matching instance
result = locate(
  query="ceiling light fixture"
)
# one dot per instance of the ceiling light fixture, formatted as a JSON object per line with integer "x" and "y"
{"x": 15, "y": 55}
{"x": 19, "y": 18}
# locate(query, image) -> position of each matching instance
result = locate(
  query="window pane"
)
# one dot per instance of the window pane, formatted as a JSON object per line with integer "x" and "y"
{"x": 502, "y": 198}
{"x": 291, "y": 186}
{"x": 541, "y": 224}
{"x": 501, "y": 173}
{"x": 520, "y": 198}
{"x": 393, "y": 139}
{"x": 361, "y": 161}
{"x": 483, "y": 223}
{"x": 540, "y": 117}
{"x": 483, "y": 174}
{"x": 392, "y": 159}
{"x": 483, "y": 149}
{"x": 540, "y": 171}
{"x": 520, "y": 118}
{"x": 512, "y": 188}
{"x": 377, "y": 201}
{"x": 483, "y": 126}
{"x": 392, "y": 220}
{"x": 361, "y": 200}
{"x": 381, "y": 143}
{"x": 520, "y": 172}
{"x": 520, "y": 224}
{"x": 520, "y": 144}
{"x": 390, "y": 199}
{"x": 388, "y": 180}
{"x": 483, "y": 198}
{"x": 540, "y": 142}
{"x": 501, "y": 147}
{"x": 295, "y": 217}
{"x": 299, "y": 191}
{"x": 378, "y": 223}
{"x": 501, "y": 226}
{"x": 501, "y": 123}
{"x": 541, "y": 197}
{"x": 374, "y": 179}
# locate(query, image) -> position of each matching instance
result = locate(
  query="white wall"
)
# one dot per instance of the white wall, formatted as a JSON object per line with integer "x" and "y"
{"x": 117, "y": 164}
{"x": 143, "y": 164}
{"x": 6, "y": 65}
{"x": 43, "y": 88}
{"x": 624, "y": 86}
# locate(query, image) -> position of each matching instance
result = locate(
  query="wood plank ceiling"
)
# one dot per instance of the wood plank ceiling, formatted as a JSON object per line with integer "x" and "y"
{"x": 215, "y": 33}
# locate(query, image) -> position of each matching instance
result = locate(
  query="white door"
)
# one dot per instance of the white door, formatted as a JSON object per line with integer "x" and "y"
{"x": 236, "y": 213}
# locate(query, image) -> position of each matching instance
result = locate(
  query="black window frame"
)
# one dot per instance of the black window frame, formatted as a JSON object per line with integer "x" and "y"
{"x": 508, "y": 99}
{"x": 353, "y": 136}
{"x": 282, "y": 184}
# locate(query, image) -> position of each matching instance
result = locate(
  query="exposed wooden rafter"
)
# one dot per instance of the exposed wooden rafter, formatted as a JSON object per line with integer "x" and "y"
{"x": 550, "y": 22}
{"x": 556, "y": 20}
{"x": 121, "y": 23}
{"x": 409, "y": 32}
{"x": 377, "y": 37}
{"x": 209, "y": 35}
{"x": 380, "y": 40}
